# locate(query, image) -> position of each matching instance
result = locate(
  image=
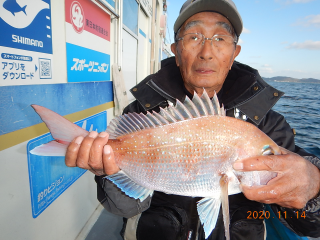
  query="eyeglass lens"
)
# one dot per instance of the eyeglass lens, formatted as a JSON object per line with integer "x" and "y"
{"x": 193, "y": 41}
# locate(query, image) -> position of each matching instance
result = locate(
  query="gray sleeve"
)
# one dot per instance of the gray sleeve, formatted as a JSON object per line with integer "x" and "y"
{"x": 314, "y": 160}
{"x": 117, "y": 202}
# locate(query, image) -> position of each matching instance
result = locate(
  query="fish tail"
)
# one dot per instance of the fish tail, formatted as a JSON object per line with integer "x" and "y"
{"x": 224, "y": 182}
{"x": 62, "y": 130}
{"x": 24, "y": 9}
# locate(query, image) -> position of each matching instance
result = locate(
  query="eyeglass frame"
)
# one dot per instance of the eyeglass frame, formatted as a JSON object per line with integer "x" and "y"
{"x": 206, "y": 38}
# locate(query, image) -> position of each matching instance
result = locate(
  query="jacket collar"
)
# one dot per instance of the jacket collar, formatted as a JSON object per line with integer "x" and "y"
{"x": 244, "y": 89}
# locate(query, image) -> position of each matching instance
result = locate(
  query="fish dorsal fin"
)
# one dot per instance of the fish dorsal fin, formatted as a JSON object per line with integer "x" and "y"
{"x": 223, "y": 111}
{"x": 189, "y": 109}
{"x": 183, "y": 110}
{"x": 125, "y": 124}
{"x": 207, "y": 102}
{"x": 175, "y": 113}
{"x": 137, "y": 121}
{"x": 167, "y": 115}
{"x": 216, "y": 105}
{"x": 199, "y": 104}
{"x": 133, "y": 125}
{"x": 160, "y": 118}
{"x": 154, "y": 119}
{"x": 147, "y": 123}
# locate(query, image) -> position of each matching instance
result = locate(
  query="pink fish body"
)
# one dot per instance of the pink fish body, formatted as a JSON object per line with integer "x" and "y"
{"x": 185, "y": 150}
{"x": 188, "y": 157}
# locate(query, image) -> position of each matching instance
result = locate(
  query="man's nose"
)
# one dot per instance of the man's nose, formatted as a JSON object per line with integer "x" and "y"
{"x": 206, "y": 52}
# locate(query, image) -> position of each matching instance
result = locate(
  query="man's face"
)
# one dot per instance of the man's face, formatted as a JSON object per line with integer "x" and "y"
{"x": 208, "y": 66}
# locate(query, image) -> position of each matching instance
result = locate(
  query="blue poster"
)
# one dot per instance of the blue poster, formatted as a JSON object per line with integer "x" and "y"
{"x": 49, "y": 176}
{"x": 26, "y": 24}
{"x": 86, "y": 65}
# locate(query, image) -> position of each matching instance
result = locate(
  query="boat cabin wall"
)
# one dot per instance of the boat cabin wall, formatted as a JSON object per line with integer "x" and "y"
{"x": 61, "y": 54}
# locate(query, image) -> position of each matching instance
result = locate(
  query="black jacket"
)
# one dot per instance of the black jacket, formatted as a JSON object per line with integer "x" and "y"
{"x": 245, "y": 95}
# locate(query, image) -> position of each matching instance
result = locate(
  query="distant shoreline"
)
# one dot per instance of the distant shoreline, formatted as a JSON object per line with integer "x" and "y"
{"x": 291, "y": 80}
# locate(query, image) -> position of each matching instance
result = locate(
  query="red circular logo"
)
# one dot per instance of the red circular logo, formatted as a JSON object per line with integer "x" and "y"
{"x": 77, "y": 16}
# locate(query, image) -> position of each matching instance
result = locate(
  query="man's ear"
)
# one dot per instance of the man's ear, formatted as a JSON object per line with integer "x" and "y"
{"x": 174, "y": 50}
{"x": 237, "y": 51}
{"x": 235, "y": 54}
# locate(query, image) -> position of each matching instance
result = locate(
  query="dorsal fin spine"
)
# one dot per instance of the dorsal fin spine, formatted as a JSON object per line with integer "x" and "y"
{"x": 167, "y": 115}
{"x": 143, "y": 120}
{"x": 115, "y": 124}
{"x": 175, "y": 113}
{"x": 183, "y": 110}
{"x": 125, "y": 131}
{"x": 160, "y": 118}
{"x": 199, "y": 105}
{"x": 191, "y": 107}
{"x": 148, "y": 121}
{"x": 207, "y": 102}
{"x": 216, "y": 104}
{"x": 223, "y": 111}
{"x": 137, "y": 120}
{"x": 130, "y": 123}
{"x": 133, "y": 124}
{"x": 154, "y": 119}
{"x": 124, "y": 123}
{"x": 195, "y": 108}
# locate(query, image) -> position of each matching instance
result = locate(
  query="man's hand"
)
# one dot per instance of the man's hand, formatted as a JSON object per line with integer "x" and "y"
{"x": 92, "y": 153}
{"x": 297, "y": 181}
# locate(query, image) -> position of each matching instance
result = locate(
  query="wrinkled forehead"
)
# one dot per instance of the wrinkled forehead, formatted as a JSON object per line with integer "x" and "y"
{"x": 195, "y": 21}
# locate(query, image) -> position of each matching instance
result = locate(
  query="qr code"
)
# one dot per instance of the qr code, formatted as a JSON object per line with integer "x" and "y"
{"x": 45, "y": 68}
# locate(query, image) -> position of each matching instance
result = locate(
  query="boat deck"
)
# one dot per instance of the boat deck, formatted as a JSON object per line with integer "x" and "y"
{"x": 107, "y": 227}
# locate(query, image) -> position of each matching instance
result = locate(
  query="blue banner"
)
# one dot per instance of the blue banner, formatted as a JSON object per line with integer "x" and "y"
{"x": 49, "y": 176}
{"x": 63, "y": 99}
{"x": 86, "y": 65}
{"x": 26, "y": 26}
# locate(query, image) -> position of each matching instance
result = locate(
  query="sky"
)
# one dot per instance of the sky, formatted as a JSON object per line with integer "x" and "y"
{"x": 280, "y": 37}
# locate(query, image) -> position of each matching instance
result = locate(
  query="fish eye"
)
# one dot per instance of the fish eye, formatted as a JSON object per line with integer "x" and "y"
{"x": 267, "y": 150}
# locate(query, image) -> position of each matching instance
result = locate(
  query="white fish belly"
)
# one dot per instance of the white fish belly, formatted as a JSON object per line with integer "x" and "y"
{"x": 191, "y": 169}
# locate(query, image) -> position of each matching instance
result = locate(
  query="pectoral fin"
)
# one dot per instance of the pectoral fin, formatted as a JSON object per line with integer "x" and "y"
{"x": 208, "y": 210}
{"x": 129, "y": 187}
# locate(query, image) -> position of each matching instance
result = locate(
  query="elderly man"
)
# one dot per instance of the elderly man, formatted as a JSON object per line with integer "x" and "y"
{"x": 207, "y": 32}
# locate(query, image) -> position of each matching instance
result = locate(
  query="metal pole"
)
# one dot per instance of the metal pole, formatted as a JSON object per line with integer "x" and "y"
{"x": 153, "y": 38}
{"x": 120, "y": 22}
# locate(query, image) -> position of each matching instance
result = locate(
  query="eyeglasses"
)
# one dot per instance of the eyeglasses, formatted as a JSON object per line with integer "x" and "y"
{"x": 195, "y": 41}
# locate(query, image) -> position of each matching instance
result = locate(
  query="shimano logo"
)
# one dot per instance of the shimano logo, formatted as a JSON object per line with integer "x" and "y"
{"x": 27, "y": 41}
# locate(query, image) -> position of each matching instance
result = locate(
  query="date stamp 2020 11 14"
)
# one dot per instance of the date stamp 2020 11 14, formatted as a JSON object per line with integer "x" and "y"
{"x": 267, "y": 215}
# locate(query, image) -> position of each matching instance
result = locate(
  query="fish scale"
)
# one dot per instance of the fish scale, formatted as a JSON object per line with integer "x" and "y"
{"x": 185, "y": 150}
{"x": 165, "y": 147}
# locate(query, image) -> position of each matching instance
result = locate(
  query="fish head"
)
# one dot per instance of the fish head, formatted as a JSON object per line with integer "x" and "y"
{"x": 257, "y": 143}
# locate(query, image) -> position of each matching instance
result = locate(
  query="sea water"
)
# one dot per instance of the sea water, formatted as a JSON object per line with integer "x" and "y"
{"x": 301, "y": 107}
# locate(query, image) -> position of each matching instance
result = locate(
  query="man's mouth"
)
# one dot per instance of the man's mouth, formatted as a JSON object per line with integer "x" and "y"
{"x": 204, "y": 71}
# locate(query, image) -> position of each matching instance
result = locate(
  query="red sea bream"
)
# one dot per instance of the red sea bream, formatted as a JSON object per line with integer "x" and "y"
{"x": 185, "y": 150}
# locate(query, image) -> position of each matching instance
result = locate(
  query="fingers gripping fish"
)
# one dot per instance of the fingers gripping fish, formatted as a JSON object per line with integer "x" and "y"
{"x": 185, "y": 150}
